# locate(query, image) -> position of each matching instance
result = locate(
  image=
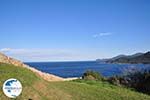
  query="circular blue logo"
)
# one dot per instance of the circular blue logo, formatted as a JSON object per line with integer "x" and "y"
{"x": 12, "y": 88}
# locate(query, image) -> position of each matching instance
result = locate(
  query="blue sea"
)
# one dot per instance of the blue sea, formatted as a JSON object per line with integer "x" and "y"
{"x": 77, "y": 68}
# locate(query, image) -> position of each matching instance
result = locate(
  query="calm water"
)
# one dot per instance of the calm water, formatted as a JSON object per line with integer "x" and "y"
{"x": 76, "y": 69}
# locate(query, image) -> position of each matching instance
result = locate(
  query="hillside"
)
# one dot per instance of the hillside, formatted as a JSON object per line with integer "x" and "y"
{"x": 36, "y": 88}
{"x": 133, "y": 59}
{"x": 46, "y": 76}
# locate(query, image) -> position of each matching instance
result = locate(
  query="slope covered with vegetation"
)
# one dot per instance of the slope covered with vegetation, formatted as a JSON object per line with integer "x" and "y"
{"x": 133, "y": 59}
{"x": 35, "y": 88}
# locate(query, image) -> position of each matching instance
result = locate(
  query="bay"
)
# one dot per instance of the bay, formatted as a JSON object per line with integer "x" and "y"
{"x": 77, "y": 68}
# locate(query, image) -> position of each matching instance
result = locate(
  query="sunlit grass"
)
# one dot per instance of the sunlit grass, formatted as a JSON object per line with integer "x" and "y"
{"x": 38, "y": 89}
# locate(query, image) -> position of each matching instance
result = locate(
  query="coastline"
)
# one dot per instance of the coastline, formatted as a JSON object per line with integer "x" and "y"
{"x": 51, "y": 77}
{"x": 45, "y": 76}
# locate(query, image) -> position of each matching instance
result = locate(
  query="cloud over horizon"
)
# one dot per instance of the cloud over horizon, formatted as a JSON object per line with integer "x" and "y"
{"x": 45, "y": 54}
{"x": 102, "y": 34}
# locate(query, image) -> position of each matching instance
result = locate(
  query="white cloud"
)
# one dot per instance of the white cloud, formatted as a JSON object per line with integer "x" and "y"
{"x": 45, "y": 54}
{"x": 5, "y": 49}
{"x": 51, "y": 54}
{"x": 102, "y": 34}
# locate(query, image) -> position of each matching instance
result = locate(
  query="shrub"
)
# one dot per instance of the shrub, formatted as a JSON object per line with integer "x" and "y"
{"x": 140, "y": 81}
{"x": 114, "y": 80}
{"x": 92, "y": 75}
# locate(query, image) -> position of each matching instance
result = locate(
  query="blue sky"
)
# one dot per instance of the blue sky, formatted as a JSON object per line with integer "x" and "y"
{"x": 58, "y": 30}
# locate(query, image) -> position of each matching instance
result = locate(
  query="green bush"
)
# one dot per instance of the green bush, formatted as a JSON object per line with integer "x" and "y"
{"x": 114, "y": 80}
{"x": 92, "y": 75}
{"x": 139, "y": 81}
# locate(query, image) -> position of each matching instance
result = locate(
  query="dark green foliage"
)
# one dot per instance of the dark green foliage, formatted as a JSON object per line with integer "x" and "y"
{"x": 114, "y": 80}
{"x": 92, "y": 75}
{"x": 140, "y": 81}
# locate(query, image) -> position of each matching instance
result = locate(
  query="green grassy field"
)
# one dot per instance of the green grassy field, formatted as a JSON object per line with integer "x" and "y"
{"x": 36, "y": 88}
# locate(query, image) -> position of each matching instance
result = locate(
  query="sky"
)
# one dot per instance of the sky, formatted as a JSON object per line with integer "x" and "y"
{"x": 66, "y": 30}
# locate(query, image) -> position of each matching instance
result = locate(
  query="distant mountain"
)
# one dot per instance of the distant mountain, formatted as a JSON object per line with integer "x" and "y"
{"x": 117, "y": 57}
{"x": 102, "y": 60}
{"x": 109, "y": 59}
{"x": 133, "y": 59}
{"x": 135, "y": 55}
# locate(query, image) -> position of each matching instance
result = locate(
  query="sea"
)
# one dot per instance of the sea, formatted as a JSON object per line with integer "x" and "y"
{"x": 77, "y": 68}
